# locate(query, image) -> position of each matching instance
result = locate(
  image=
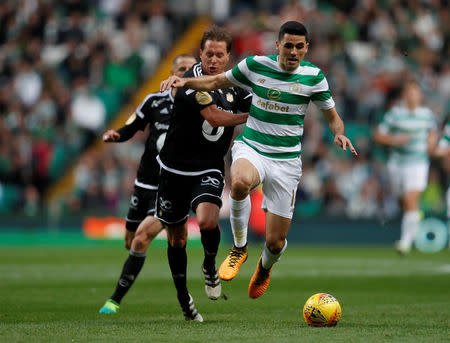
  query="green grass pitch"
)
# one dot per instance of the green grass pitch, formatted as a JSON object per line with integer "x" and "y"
{"x": 53, "y": 294}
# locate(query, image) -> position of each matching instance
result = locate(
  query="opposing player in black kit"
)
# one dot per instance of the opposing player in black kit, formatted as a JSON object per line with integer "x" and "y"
{"x": 155, "y": 111}
{"x": 192, "y": 166}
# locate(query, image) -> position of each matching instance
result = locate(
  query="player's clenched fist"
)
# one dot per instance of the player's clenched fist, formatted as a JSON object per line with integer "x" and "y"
{"x": 110, "y": 136}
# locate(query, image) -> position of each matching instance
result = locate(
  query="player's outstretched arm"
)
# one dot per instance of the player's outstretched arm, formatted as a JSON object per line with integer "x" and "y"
{"x": 337, "y": 127}
{"x": 111, "y": 136}
{"x": 216, "y": 117}
{"x": 201, "y": 83}
{"x": 125, "y": 132}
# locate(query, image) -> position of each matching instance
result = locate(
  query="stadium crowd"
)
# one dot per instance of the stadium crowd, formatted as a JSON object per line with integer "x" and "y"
{"x": 67, "y": 67}
{"x": 81, "y": 55}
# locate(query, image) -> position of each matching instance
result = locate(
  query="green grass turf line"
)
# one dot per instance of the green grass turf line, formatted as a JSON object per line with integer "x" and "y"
{"x": 53, "y": 295}
{"x": 62, "y": 238}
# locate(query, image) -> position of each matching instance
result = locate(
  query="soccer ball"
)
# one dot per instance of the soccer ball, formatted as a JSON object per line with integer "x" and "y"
{"x": 322, "y": 309}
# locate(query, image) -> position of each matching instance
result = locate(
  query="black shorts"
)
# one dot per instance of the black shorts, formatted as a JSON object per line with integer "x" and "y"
{"x": 142, "y": 204}
{"x": 177, "y": 194}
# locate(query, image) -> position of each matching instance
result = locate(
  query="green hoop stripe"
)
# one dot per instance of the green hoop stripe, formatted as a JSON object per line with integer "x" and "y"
{"x": 271, "y": 140}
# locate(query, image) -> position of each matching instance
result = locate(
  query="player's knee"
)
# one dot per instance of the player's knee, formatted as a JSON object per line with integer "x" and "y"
{"x": 275, "y": 246}
{"x": 176, "y": 239}
{"x": 139, "y": 243}
{"x": 207, "y": 223}
{"x": 146, "y": 233}
{"x": 177, "y": 242}
{"x": 240, "y": 187}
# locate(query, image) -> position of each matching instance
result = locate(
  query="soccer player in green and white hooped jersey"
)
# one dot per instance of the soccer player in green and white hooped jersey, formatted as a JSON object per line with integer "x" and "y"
{"x": 443, "y": 151}
{"x": 268, "y": 151}
{"x": 409, "y": 130}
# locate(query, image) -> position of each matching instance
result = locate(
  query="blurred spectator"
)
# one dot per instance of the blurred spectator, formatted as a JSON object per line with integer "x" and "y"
{"x": 27, "y": 82}
{"x": 365, "y": 47}
{"x": 65, "y": 68}
{"x": 88, "y": 112}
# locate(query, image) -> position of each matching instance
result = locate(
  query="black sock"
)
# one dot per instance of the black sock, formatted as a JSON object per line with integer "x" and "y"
{"x": 178, "y": 266}
{"x": 210, "y": 241}
{"x": 130, "y": 271}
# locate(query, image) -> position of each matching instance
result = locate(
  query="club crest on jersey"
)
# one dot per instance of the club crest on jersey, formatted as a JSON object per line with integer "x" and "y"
{"x": 230, "y": 97}
{"x": 203, "y": 98}
{"x": 131, "y": 119}
{"x": 274, "y": 94}
{"x": 295, "y": 88}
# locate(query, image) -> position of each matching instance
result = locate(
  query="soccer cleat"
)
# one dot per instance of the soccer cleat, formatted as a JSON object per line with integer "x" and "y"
{"x": 260, "y": 281}
{"x": 110, "y": 307}
{"x": 402, "y": 248}
{"x": 230, "y": 267}
{"x": 190, "y": 312}
{"x": 213, "y": 288}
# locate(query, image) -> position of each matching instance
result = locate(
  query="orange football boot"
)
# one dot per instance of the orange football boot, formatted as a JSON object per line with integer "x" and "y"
{"x": 260, "y": 281}
{"x": 230, "y": 266}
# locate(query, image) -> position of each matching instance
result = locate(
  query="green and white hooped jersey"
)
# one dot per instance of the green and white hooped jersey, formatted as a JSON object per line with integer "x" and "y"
{"x": 280, "y": 99}
{"x": 417, "y": 125}
{"x": 444, "y": 142}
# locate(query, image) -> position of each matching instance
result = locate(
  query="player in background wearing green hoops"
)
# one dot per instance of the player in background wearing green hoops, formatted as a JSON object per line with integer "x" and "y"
{"x": 443, "y": 151}
{"x": 409, "y": 130}
{"x": 268, "y": 151}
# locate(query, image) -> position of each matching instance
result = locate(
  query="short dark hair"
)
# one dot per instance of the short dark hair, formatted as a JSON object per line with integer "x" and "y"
{"x": 175, "y": 60}
{"x": 218, "y": 34}
{"x": 293, "y": 28}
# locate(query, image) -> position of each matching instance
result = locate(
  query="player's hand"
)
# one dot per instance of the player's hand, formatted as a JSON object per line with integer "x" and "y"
{"x": 172, "y": 81}
{"x": 129, "y": 235}
{"x": 401, "y": 139}
{"x": 110, "y": 136}
{"x": 343, "y": 142}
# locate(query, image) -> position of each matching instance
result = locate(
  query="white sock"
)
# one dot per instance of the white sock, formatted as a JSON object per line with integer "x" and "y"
{"x": 410, "y": 225}
{"x": 239, "y": 216}
{"x": 268, "y": 259}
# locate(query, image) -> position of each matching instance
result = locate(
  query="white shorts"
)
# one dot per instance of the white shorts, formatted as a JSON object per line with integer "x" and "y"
{"x": 409, "y": 177}
{"x": 280, "y": 179}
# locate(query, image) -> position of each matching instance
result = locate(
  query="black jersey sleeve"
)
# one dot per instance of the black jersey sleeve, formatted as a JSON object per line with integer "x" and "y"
{"x": 132, "y": 125}
{"x": 143, "y": 115}
{"x": 146, "y": 110}
{"x": 198, "y": 99}
{"x": 244, "y": 100}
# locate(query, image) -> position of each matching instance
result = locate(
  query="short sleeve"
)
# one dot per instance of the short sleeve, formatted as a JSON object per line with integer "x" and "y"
{"x": 239, "y": 75}
{"x": 197, "y": 99}
{"x": 321, "y": 94}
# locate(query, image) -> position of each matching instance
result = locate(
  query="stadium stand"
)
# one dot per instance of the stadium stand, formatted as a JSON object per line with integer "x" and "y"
{"x": 95, "y": 55}
{"x": 66, "y": 69}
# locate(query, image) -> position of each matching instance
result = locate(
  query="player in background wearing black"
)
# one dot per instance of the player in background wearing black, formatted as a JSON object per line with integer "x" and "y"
{"x": 154, "y": 111}
{"x": 192, "y": 165}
